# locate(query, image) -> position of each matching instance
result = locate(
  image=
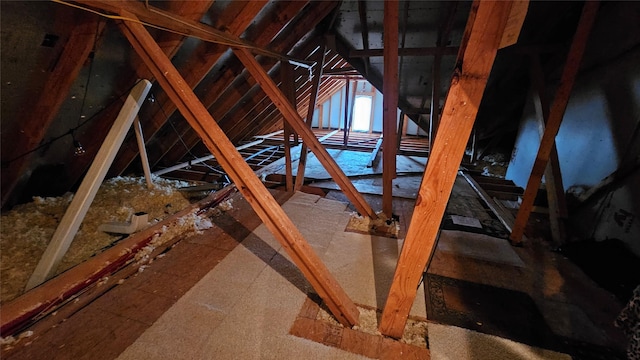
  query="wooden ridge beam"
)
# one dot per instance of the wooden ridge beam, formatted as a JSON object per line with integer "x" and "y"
{"x": 390, "y": 89}
{"x": 246, "y": 181}
{"x": 294, "y": 119}
{"x": 556, "y": 113}
{"x": 36, "y": 122}
{"x": 487, "y": 20}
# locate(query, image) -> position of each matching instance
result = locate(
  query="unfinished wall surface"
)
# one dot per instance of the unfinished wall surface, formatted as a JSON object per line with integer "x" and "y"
{"x": 600, "y": 131}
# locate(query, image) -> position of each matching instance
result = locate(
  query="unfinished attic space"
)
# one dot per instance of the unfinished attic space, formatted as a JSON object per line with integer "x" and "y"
{"x": 349, "y": 179}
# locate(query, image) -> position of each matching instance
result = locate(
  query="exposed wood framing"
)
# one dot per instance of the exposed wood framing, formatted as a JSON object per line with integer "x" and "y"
{"x": 347, "y": 86}
{"x": 552, "y": 174}
{"x": 247, "y": 182}
{"x": 313, "y": 97}
{"x": 364, "y": 28}
{"x": 482, "y": 36}
{"x": 288, "y": 88}
{"x": 224, "y": 92}
{"x": 137, "y": 128}
{"x": 73, "y": 216}
{"x": 434, "y": 117}
{"x": 169, "y": 42}
{"x": 556, "y": 113}
{"x": 390, "y": 88}
{"x": 37, "y": 121}
{"x": 307, "y": 135}
{"x": 195, "y": 69}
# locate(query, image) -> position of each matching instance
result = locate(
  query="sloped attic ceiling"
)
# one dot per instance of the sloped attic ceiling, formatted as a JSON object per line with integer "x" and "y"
{"x": 64, "y": 80}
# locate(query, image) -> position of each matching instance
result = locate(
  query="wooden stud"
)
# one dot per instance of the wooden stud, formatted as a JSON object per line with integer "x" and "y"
{"x": 288, "y": 88}
{"x": 143, "y": 152}
{"x": 434, "y": 117}
{"x": 247, "y": 182}
{"x": 44, "y": 110}
{"x": 346, "y": 112}
{"x": 390, "y": 89}
{"x": 73, "y": 216}
{"x": 307, "y": 135}
{"x": 556, "y": 113}
{"x": 482, "y": 36}
{"x": 313, "y": 97}
{"x": 552, "y": 174}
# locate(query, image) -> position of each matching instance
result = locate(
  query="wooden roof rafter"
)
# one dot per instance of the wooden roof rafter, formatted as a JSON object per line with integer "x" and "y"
{"x": 246, "y": 181}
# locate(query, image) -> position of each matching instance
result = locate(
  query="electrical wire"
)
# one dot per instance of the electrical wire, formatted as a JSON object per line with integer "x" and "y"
{"x": 71, "y": 130}
{"x": 222, "y": 38}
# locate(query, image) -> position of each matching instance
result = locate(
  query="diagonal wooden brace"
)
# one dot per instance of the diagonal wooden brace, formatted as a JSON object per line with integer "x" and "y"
{"x": 298, "y": 125}
{"x": 246, "y": 181}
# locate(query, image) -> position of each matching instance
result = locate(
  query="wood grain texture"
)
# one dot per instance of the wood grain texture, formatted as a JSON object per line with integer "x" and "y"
{"x": 248, "y": 184}
{"x": 556, "y": 113}
{"x": 484, "y": 31}
{"x": 292, "y": 117}
{"x": 390, "y": 88}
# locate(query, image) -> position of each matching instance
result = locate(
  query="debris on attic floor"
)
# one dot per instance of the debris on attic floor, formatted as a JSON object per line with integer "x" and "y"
{"x": 28, "y": 228}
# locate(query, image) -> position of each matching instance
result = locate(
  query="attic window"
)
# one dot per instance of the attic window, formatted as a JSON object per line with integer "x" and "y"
{"x": 49, "y": 40}
{"x": 362, "y": 113}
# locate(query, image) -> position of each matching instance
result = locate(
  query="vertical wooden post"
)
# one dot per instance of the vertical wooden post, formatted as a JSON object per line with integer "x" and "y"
{"x": 434, "y": 116}
{"x": 346, "y": 113}
{"x": 552, "y": 173}
{"x": 249, "y": 185}
{"x": 389, "y": 103}
{"x": 400, "y": 129}
{"x": 482, "y": 36}
{"x": 137, "y": 127}
{"x": 70, "y": 222}
{"x": 313, "y": 97}
{"x": 271, "y": 89}
{"x": 556, "y": 113}
{"x": 288, "y": 88}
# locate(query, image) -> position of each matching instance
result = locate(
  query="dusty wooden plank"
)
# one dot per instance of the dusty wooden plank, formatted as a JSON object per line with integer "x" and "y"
{"x": 307, "y": 135}
{"x": 73, "y": 216}
{"x": 247, "y": 182}
{"x": 45, "y": 108}
{"x": 390, "y": 88}
{"x": 552, "y": 173}
{"x": 143, "y": 152}
{"x": 313, "y": 97}
{"x": 556, "y": 113}
{"x": 482, "y": 37}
